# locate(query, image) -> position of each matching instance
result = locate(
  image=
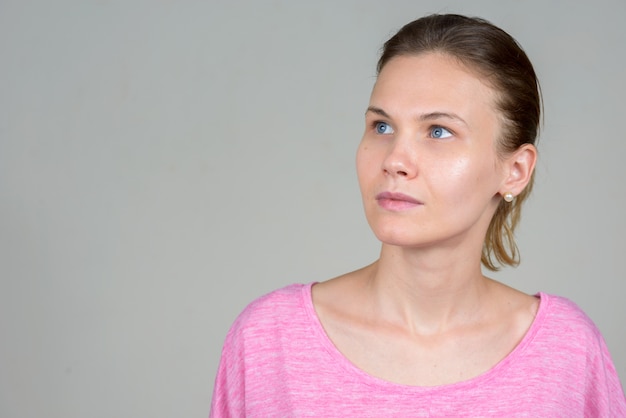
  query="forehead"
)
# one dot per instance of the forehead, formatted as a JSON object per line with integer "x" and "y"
{"x": 429, "y": 82}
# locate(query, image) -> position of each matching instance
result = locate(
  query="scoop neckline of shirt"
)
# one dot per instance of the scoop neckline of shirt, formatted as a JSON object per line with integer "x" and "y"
{"x": 349, "y": 367}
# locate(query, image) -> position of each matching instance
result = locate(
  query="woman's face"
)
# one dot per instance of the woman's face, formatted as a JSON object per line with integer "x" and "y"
{"x": 427, "y": 164}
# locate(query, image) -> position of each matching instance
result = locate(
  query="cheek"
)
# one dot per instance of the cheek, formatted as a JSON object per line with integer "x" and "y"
{"x": 461, "y": 179}
{"x": 364, "y": 163}
{"x": 451, "y": 170}
{"x": 460, "y": 169}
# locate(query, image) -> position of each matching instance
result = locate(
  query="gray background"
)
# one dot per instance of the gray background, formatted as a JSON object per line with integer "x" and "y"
{"x": 163, "y": 163}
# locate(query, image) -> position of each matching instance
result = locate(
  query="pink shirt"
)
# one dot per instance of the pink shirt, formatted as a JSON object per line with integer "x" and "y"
{"x": 277, "y": 361}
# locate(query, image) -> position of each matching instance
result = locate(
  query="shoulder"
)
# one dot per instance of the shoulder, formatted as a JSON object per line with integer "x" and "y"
{"x": 272, "y": 312}
{"x": 255, "y": 345}
{"x": 577, "y": 342}
{"x": 562, "y": 329}
{"x": 284, "y": 299}
{"x": 565, "y": 315}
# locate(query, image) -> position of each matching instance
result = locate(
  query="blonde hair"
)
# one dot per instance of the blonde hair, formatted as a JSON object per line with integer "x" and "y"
{"x": 499, "y": 241}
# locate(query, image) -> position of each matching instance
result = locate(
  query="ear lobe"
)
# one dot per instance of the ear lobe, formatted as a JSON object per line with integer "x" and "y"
{"x": 521, "y": 165}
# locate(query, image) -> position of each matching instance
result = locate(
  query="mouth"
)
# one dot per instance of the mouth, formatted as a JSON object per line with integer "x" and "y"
{"x": 396, "y": 201}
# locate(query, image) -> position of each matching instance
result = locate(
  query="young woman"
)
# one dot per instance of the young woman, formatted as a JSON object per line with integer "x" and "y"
{"x": 445, "y": 163}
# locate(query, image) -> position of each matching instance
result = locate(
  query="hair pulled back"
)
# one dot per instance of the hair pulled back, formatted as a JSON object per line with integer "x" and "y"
{"x": 495, "y": 55}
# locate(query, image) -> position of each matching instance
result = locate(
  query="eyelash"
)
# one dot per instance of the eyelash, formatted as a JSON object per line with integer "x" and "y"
{"x": 431, "y": 129}
{"x": 376, "y": 124}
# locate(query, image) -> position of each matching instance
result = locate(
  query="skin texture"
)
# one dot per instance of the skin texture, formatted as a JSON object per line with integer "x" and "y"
{"x": 423, "y": 314}
{"x": 456, "y": 177}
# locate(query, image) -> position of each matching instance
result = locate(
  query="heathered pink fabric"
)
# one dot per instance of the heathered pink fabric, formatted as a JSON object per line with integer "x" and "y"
{"x": 278, "y": 362}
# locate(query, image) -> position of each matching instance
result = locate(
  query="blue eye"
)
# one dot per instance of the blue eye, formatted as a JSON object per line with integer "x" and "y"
{"x": 383, "y": 128}
{"x": 439, "y": 132}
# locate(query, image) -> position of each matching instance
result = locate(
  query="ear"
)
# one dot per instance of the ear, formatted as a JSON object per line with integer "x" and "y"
{"x": 519, "y": 167}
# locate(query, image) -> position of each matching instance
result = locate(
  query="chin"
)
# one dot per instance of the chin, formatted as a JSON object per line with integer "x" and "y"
{"x": 399, "y": 238}
{"x": 415, "y": 236}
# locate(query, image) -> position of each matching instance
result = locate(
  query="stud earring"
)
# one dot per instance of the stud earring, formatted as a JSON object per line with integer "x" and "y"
{"x": 508, "y": 197}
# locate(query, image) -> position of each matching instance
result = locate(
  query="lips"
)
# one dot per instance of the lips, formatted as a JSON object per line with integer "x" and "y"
{"x": 397, "y": 201}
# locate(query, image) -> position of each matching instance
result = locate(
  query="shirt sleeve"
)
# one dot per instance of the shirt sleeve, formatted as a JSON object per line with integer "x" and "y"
{"x": 605, "y": 395}
{"x": 228, "y": 392}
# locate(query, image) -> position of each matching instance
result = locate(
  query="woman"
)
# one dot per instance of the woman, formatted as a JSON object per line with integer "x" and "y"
{"x": 445, "y": 163}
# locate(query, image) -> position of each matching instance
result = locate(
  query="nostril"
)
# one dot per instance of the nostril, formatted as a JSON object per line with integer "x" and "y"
{"x": 401, "y": 173}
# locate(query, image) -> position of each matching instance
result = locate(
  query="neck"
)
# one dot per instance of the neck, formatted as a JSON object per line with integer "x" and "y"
{"x": 427, "y": 293}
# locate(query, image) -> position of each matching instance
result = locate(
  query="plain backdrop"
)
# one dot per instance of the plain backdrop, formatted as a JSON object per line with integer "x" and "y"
{"x": 163, "y": 163}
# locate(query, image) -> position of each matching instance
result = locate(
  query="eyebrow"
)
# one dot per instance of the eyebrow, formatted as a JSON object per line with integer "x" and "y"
{"x": 422, "y": 117}
{"x": 378, "y": 111}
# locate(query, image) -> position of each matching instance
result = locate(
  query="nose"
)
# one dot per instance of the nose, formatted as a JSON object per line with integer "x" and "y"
{"x": 400, "y": 159}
